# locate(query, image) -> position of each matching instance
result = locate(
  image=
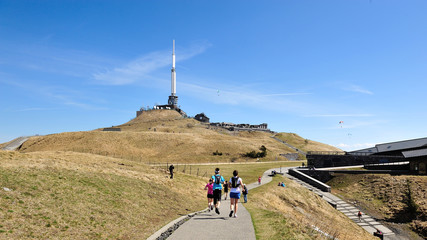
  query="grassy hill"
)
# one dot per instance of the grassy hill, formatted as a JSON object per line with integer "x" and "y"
{"x": 294, "y": 212}
{"x": 305, "y": 144}
{"x": 68, "y": 195}
{"x": 400, "y": 201}
{"x": 97, "y": 185}
{"x": 163, "y": 135}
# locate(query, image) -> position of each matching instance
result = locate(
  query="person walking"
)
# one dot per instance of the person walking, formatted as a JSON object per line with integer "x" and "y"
{"x": 359, "y": 214}
{"x": 259, "y": 180}
{"x": 218, "y": 180}
{"x": 245, "y": 193}
{"x": 209, "y": 187}
{"x": 225, "y": 186}
{"x": 234, "y": 183}
{"x": 171, "y": 168}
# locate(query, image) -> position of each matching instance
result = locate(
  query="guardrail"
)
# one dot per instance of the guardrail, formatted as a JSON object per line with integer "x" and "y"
{"x": 325, "y": 153}
{"x": 312, "y": 181}
{"x": 337, "y": 153}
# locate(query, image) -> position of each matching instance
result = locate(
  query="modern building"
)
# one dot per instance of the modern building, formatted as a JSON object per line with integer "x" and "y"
{"x": 413, "y": 151}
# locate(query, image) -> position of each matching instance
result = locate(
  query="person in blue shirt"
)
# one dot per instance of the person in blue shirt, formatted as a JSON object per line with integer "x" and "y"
{"x": 218, "y": 180}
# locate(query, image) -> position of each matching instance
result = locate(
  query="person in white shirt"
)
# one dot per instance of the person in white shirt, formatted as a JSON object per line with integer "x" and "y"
{"x": 235, "y": 185}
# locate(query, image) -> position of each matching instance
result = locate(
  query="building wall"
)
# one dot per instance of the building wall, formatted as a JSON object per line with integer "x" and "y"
{"x": 418, "y": 166}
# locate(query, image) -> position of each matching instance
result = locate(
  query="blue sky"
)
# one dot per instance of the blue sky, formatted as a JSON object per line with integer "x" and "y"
{"x": 300, "y": 66}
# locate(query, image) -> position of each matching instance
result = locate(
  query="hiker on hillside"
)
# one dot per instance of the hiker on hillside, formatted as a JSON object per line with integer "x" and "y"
{"x": 218, "y": 180}
{"x": 245, "y": 193}
{"x": 225, "y": 186}
{"x": 209, "y": 187}
{"x": 171, "y": 168}
{"x": 234, "y": 183}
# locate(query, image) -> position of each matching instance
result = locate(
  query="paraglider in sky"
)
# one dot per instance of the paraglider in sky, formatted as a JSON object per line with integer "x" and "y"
{"x": 341, "y": 123}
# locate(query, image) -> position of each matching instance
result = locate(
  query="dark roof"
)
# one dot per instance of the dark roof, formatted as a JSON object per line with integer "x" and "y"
{"x": 408, "y": 148}
{"x": 415, "y": 153}
{"x": 401, "y": 145}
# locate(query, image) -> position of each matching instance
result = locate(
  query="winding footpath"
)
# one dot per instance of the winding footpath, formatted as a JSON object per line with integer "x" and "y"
{"x": 209, "y": 225}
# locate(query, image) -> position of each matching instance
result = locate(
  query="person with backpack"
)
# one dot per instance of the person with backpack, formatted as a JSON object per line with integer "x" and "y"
{"x": 217, "y": 189}
{"x": 245, "y": 193}
{"x": 225, "y": 186}
{"x": 209, "y": 187}
{"x": 234, "y": 183}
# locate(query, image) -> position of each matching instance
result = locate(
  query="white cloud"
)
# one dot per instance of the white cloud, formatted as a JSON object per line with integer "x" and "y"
{"x": 342, "y": 115}
{"x": 138, "y": 69}
{"x": 356, "y": 146}
{"x": 35, "y": 109}
{"x": 284, "y": 94}
{"x": 358, "y": 89}
{"x": 242, "y": 96}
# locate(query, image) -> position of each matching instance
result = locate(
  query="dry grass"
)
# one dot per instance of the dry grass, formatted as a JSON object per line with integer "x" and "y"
{"x": 96, "y": 185}
{"x": 305, "y": 144}
{"x": 384, "y": 197}
{"x": 168, "y": 138}
{"x": 66, "y": 195}
{"x": 156, "y": 146}
{"x": 291, "y": 213}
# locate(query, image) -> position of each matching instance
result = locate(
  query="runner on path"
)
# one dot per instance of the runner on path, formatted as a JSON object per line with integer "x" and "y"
{"x": 217, "y": 189}
{"x": 235, "y": 183}
{"x": 209, "y": 187}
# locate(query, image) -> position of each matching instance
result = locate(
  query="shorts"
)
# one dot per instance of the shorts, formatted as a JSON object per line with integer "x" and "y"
{"x": 235, "y": 195}
{"x": 217, "y": 195}
{"x": 210, "y": 195}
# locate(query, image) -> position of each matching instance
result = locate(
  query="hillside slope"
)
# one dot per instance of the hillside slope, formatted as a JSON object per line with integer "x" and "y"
{"x": 305, "y": 144}
{"x": 165, "y": 136}
{"x": 67, "y": 195}
{"x": 397, "y": 200}
{"x": 294, "y": 212}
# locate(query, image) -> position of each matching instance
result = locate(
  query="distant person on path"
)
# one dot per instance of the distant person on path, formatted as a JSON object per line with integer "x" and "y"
{"x": 171, "y": 168}
{"x": 218, "y": 180}
{"x": 259, "y": 180}
{"x": 359, "y": 214}
{"x": 245, "y": 193}
{"x": 225, "y": 186}
{"x": 234, "y": 184}
{"x": 209, "y": 187}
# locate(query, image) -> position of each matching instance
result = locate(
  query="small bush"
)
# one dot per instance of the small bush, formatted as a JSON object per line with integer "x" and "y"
{"x": 253, "y": 154}
{"x": 216, "y": 153}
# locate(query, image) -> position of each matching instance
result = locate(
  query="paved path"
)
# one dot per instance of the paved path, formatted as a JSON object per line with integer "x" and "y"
{"x": 289, "y": 145}
{"x": 203, "y": 225}
{"x": 209, "y": 225}
{"x": 15, "y": 143}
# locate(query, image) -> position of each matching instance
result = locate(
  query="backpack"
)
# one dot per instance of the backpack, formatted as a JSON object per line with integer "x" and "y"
{"x": 234, "y": 183}
{"x": 217, "y": 179}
